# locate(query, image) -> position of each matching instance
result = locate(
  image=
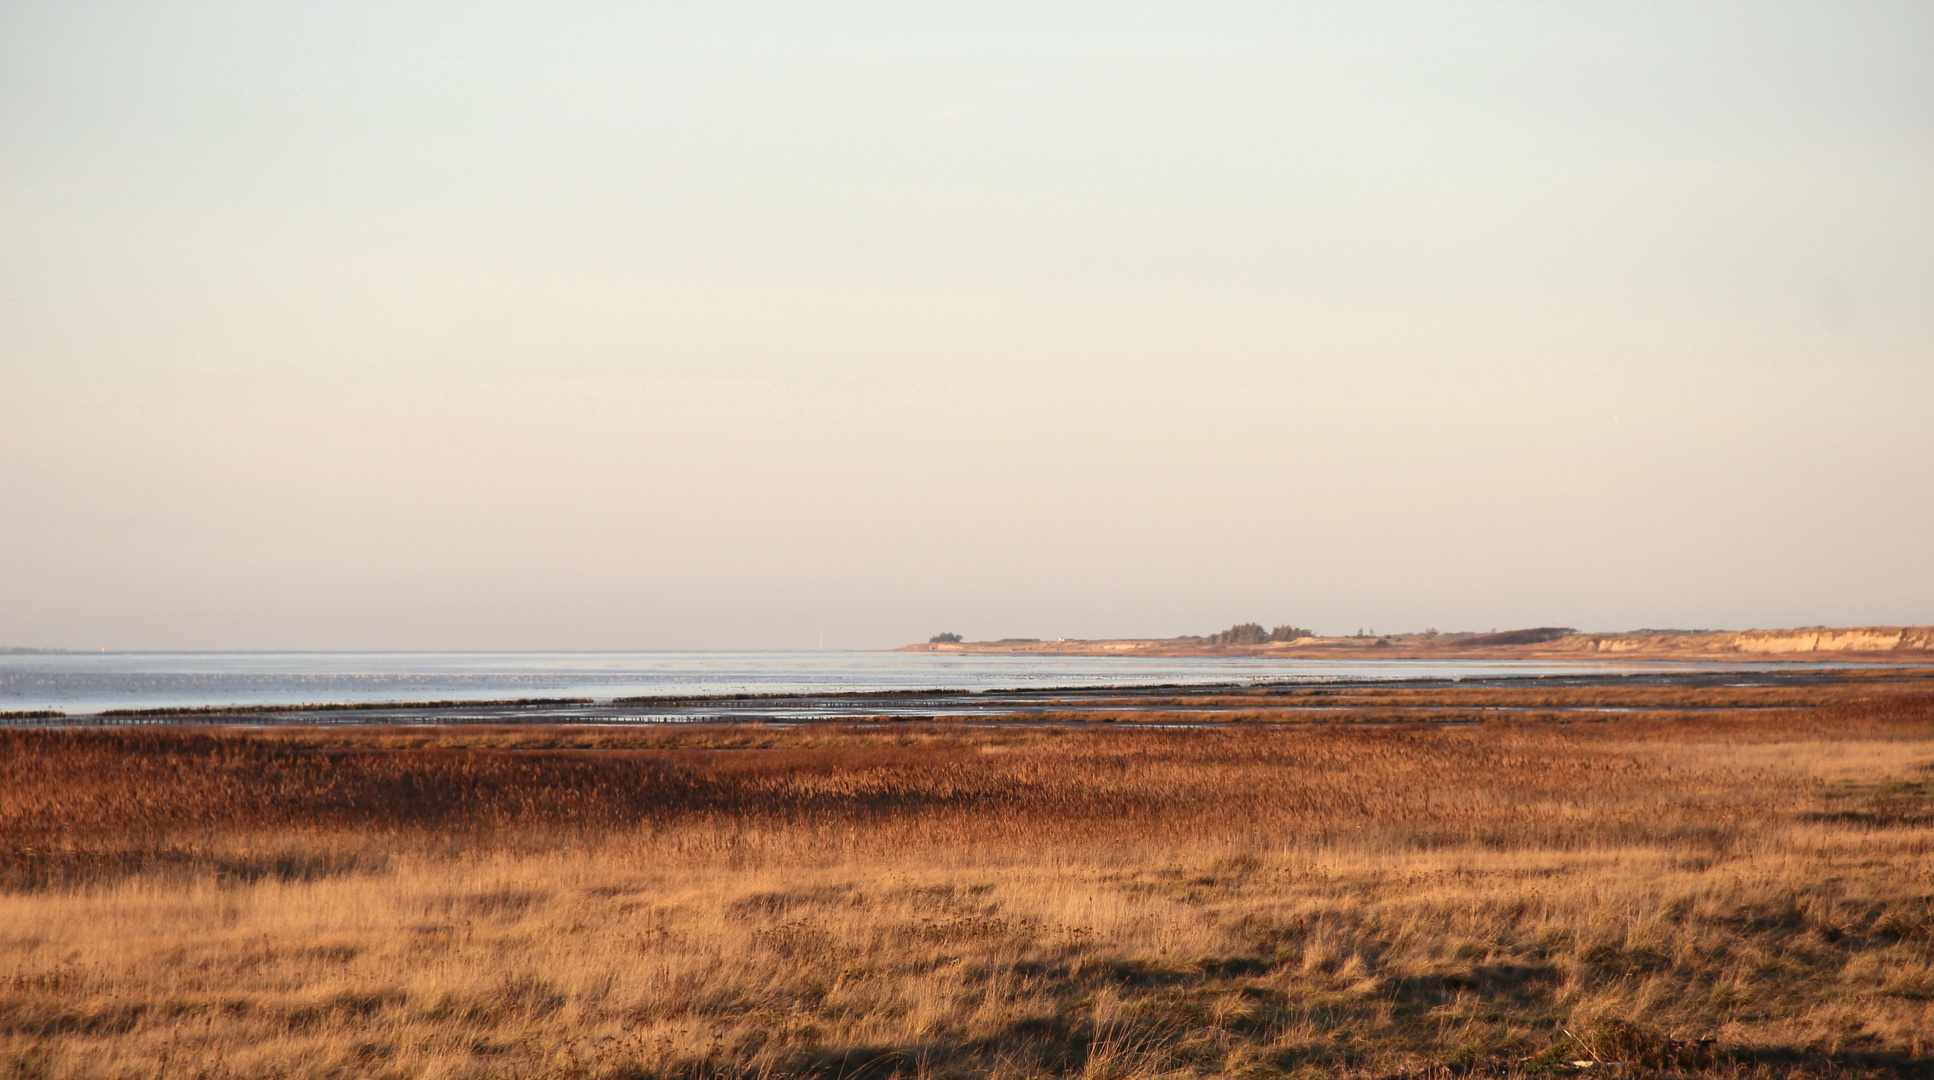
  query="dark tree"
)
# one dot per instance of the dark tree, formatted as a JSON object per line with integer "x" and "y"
{"x": 944, "y": 639}
{"x": 1241, "y": 634}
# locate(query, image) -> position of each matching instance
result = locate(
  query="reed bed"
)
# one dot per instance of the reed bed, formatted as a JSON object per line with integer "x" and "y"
{"x": 1787, "y": 690}
{"x": 1718, "y": 894}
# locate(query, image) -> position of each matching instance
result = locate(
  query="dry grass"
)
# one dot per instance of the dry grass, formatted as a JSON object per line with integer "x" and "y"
{"x": 925, "y": 899}
{"x": 1400, "y": 699}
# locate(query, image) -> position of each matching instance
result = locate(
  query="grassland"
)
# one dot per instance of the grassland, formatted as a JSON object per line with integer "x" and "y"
{"x": 1745, "y": 890}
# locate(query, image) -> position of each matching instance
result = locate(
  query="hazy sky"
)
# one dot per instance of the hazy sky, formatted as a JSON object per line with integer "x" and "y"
{"x": 569, "y": 325}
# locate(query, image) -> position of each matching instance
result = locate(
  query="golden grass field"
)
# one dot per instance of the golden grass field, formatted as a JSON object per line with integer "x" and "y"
{"x": 1728, "y": 893}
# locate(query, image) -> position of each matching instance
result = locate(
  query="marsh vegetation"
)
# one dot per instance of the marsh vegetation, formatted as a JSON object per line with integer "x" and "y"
{"x": 1715, "y": 893}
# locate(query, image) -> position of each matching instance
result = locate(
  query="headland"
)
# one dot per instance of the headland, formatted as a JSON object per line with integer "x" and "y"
{"x": 1910, "y": 644}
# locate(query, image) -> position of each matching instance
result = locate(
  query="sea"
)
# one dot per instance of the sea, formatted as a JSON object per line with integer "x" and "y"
{"x": 80, "y": 684}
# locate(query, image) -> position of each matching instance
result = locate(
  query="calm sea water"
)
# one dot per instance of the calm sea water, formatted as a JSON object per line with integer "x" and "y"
{"x": 81, "y": 683}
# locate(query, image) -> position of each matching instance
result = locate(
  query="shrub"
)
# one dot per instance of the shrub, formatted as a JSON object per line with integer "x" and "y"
{"x": 1533, "y": 636}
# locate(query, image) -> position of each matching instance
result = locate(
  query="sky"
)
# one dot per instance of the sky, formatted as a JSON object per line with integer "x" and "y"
{"x": 679, "y": 326}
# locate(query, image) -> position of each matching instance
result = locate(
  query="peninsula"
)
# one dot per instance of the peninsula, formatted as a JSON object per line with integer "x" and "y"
{"x": 1855, "y": 643}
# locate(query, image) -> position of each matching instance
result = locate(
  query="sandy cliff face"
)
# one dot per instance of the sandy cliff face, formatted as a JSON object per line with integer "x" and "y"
{"x": 1819, "y": 639}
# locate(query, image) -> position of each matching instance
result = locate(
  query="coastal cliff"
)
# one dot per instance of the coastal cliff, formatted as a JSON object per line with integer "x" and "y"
{"x": 1817, "y": 639}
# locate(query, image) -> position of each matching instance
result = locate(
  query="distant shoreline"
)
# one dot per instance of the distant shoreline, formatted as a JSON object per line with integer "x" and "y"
{"x": 1270, "y": 700}
{"x": 1856, "y": 644}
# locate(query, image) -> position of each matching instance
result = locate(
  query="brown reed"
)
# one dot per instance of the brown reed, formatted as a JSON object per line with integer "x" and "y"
{"x": 1729, "y": 894}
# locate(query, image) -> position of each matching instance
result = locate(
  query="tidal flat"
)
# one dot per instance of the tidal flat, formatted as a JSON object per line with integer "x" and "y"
{"x": 1528, "y": 879}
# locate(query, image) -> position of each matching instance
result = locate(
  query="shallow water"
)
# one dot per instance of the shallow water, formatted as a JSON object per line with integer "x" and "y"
{"x": 82, "y": 683}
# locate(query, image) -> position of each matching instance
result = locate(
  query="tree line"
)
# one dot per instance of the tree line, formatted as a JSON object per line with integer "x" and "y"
{"x": 1253, "y": 634}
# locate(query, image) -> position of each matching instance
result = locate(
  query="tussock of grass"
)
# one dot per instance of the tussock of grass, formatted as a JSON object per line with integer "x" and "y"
{"x": 1728, "y": 895}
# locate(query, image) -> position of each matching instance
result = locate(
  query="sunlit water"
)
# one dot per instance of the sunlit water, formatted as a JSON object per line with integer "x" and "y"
{"x": 82, "y": 683}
